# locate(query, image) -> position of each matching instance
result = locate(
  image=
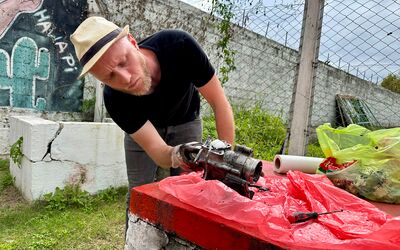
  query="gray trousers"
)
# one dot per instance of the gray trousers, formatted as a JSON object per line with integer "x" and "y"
{"x": 143, "y": 170}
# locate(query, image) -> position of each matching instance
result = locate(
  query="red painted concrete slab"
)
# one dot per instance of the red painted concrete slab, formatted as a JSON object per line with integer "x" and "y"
{"x": 204, "y": 229}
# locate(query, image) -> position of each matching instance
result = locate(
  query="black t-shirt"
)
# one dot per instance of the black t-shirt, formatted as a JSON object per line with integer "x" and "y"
{"x": 184, "y": 66}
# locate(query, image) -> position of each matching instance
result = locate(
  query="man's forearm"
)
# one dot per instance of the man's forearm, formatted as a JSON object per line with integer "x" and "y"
{"x": 224, "y": 123}
{"x": 155, "y": 147}
{"x": 215, "y": 96}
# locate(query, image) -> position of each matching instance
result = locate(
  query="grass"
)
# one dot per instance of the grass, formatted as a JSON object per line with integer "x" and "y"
{"x": 41, "y": 226}
{"x": 72, "y": 219}
{"x": 6, "y": 179}
{"x": 34, "y": 227}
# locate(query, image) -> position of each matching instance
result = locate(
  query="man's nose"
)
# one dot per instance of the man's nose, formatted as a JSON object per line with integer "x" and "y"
{"x": 124, "y": 75}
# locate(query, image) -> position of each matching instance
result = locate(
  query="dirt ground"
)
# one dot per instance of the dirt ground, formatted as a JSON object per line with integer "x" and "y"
{"x": 10, "y": 197}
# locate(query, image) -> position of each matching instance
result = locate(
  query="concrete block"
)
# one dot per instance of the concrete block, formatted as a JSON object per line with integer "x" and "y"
{"x": 110, "y": 175}
{"x": 143, "y": 235}
{"x": 89, "y": 143}
{"x": 90, "y": 155}
{"x": 37, "y": 133}
{"x": 34, "y": 179}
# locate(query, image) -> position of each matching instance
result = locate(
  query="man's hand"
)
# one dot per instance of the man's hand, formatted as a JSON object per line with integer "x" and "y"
{"x": 181, "y": 155}
{"x": 176, "y": 157}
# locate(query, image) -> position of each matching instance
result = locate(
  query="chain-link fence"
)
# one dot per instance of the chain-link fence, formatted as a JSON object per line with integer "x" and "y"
{"x": 360, "y": 39}
{"x": 266, "y": 39}
{"x": 358, "y": 48}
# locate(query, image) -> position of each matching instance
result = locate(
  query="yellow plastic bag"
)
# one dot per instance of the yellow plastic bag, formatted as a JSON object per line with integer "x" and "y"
{"x": 363, "y": 162}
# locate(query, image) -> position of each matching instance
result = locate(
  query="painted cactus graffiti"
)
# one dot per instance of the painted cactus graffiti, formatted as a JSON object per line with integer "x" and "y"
{"x": 19, "y": 73}
{"x": 38, "y": 67}
{"x": 11, "y": 9}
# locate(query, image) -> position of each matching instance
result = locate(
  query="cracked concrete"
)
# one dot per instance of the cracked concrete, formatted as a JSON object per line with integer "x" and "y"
{"x": 142, "y": 234}
{"x": 59, "y": 153}
{"x": 48, "y": 152}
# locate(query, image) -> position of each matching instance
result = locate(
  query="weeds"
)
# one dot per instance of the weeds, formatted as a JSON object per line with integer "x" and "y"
{"x": 314, "y": 150}
{"x": 259, "y": 130}
{"x": 35, "y": 227}
{"x": 16, "y": 151}
{"x": 4, "y": 165}
{"x": 6, "y": 179}
{"x": 43, "y": 240}
{"x": 72, "y": 196}
{"x": 88, "y": 105}
{"x": 111, "y": 194}
{"x": 255, "y": 128}
{"x": 8, "y": 245}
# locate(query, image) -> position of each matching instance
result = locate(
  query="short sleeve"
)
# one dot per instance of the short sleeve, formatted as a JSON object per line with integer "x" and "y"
{"x": 201, "y": 69}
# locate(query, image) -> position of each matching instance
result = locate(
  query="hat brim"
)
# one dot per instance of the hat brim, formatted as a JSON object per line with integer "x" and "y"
{"x": 96, "y": 57}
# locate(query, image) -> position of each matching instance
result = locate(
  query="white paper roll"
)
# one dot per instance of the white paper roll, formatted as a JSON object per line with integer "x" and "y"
{"x": 284, "y": 163}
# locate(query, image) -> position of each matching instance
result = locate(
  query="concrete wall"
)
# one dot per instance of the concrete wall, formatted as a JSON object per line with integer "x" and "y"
{"x": 384, "y": 104}
{"x": 142, "y": 234}
{"x": 38, "y": 66}
{"x": 56, "y": 154}
{"x": 7, "y": 112}
{"x": 265, "y": 69}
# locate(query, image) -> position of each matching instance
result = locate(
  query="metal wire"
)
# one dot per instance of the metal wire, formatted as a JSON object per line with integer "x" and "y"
{"x": 358, "y": 49}
{"x": 362, "y": 37}
{"x": 360, "y": 40}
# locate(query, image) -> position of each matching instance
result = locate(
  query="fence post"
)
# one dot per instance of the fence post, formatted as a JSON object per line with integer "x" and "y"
{"x": 98, "y": 107}
{"x": 308, "y": 60}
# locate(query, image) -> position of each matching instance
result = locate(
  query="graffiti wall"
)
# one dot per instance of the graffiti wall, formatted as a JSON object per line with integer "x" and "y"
{"x": 38, "y": 66}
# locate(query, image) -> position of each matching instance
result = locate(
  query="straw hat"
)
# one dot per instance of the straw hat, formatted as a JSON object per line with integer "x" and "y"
{"x": 92, "y": 38}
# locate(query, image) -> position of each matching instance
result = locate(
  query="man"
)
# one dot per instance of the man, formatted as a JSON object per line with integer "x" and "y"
{"x": 151, "y": 92}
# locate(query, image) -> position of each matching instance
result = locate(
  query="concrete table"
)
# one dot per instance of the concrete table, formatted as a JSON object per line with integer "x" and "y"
{"x": 164, "y": 222}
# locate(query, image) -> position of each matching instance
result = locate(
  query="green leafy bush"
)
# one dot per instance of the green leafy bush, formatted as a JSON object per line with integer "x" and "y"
{"x": 73, "y": 196}
{"x": 392, "y": 83}
{"x": 111, "y": 194}
{"x": 70, "y": 196}
{"x": 255, "y": 128}
{"x": 88, "y": 105}
{"x": 314, "y": 150}
{"x": 16, "y": 151}
{"x": 259, "y": 130}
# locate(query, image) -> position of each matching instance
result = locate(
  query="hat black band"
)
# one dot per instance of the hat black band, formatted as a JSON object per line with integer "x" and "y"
{"x": 98, "y": 45}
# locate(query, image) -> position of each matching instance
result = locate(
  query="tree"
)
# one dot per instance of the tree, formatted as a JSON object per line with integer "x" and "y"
{"x": 392, "y": 83}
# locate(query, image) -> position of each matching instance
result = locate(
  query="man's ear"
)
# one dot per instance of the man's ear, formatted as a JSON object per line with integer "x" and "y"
{"x": 132, "y": 40}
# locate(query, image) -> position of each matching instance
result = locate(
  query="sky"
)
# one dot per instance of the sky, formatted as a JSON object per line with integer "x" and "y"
{"x": 358, "y": 36}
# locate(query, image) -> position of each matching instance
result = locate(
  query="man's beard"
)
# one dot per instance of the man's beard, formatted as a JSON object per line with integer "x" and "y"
{"x": 146, "y": 79}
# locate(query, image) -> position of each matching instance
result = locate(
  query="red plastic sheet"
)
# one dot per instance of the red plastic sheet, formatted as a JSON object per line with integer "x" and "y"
{"x": 360, "y": 226}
